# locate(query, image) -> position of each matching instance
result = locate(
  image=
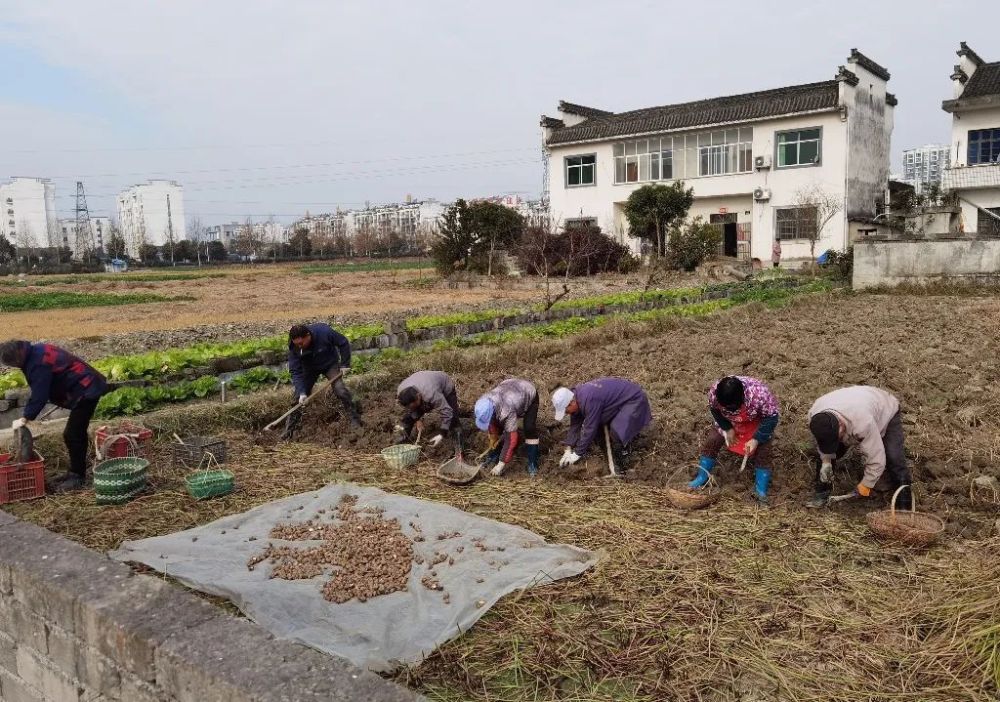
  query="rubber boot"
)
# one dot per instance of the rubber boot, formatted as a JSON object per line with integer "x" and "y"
{"x": 352, "y": 413}
{"x": 292, "y": 424}
{"x": 531, "y": 451}
{"x": 621, "y": 454}
{"x": 762, "y": 480}
{"x": 706, "y": 464}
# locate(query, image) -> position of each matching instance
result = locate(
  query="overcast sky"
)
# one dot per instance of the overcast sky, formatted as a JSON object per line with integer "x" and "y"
{"x": 272, "y": 108}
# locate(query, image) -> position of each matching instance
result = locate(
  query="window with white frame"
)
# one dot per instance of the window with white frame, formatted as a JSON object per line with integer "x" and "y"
{"x": 581, "y": 170}
{"x": 800, "y": 147}
{"x": 984, "y": 146}
{"x": 795, "y": 223}
{"x": 722, "y": 152}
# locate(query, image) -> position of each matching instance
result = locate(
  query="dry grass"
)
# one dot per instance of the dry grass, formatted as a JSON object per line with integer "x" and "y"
{"x": 731, "y": 603}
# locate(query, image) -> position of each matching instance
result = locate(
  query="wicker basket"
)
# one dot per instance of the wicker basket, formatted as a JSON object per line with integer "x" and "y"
{"x": 458, "y": 472}
{"x": 203, "y": 484}
{"x": 401, "y": 455}
{"x": 913, "y": 528}
{"x": 119, "y": 480}
{"x": 683, "y": 497}
{"x": 193, "y": 451}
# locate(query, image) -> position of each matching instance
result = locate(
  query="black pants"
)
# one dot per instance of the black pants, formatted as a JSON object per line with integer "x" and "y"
{"x": 895, "y": 460}
{"x": 531, "y": 420}
{"x": 339, "y": 389}
{"x": 75, "y": 436}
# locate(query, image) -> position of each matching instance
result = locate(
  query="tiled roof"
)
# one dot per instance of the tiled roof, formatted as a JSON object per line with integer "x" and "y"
{"x": 552, "y": 122}
{"x": 734, "y": 108}
{"x": 571, "y": 108}
{"x": 984, "y": 81}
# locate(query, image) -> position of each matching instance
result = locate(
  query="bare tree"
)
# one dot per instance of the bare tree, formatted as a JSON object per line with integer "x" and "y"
{"x": 24, "y": 240}
{"x": 196, "y": 232}
{"x": 816, "y": 206}
{"x": 248, "y": 241}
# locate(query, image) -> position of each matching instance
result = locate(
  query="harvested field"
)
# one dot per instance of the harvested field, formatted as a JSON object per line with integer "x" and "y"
{"x": 248, "y": 302}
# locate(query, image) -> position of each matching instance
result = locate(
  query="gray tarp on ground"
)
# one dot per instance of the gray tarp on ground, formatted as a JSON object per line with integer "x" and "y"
{"x": 402, "y": 627}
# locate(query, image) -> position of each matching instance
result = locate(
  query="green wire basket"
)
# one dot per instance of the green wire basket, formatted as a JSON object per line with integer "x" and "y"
{"x": 119, "y": 480}
{"x": 203, "y": 484}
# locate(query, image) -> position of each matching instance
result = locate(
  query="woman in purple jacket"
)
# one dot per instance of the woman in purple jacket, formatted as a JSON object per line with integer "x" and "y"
{"x": 615, "y": 403}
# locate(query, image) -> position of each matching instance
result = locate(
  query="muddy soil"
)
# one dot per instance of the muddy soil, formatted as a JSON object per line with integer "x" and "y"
{"x": 931, "y": 352}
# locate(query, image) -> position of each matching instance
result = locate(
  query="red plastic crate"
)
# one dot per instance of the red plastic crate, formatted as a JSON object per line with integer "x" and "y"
{"x": 21, "y": 481}
{"x": 122, "y": 447}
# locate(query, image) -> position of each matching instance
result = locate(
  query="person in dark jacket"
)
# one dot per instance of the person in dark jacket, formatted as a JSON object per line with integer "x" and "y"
{"x": 56, "y": 376}
{"x": 430, "y": 391}
{"x": 615, "y": 403}
{"x": 315, "y": 350}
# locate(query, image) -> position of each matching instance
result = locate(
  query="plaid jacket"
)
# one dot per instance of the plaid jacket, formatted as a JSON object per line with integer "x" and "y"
{"x": 57, "y": 376}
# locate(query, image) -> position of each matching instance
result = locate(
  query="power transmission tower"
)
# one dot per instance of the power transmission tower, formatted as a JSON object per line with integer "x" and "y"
{"x": 84, "y": 244}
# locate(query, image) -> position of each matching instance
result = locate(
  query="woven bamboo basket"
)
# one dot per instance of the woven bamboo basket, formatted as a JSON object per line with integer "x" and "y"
{"x": 683, "y": 497}
{"x": 913, "y": 528}
{"x": 457, "y": 472}
{"x": 401, "y": 455}
{"x": 203, "y": 484}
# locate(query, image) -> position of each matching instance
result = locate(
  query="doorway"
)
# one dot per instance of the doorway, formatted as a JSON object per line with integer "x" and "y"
{"x": 730, "y": 232}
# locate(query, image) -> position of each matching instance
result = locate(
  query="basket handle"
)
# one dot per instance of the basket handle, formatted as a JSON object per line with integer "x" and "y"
{"x": 892, "y": 505}
{"x": 133, "y": 447}
{"x": 711, "y": 478}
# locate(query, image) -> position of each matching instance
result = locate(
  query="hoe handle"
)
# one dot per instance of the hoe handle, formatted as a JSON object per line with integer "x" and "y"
{"x": 300, "y": 405}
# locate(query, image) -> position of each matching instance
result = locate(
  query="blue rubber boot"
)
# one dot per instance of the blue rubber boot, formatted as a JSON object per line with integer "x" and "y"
{"x": 531, "y": 451}
{"x": 706, "y": 464}
{"x": 762, "y": 480}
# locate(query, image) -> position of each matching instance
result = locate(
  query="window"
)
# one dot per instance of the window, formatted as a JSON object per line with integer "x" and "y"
{"x": 721, "y": 152}
{"x": 802, "y": 147}
{"x": 580, "y": 170}
{"x": 987, "y": 225}
{"x": 984, "y": 146}
{"x": 795, "y": 223}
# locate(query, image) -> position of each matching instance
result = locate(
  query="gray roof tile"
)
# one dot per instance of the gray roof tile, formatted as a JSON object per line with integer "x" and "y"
{"x": 723, "y": 110}
{"x": 984, "y": 81}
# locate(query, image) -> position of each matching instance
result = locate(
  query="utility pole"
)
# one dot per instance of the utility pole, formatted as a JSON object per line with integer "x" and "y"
{"x": 84, "y": 244}
{"x": 170, "y": 229}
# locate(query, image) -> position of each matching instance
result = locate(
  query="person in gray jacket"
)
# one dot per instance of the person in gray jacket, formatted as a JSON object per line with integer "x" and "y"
{"x": 424, "y": 392}
{"x": 870, "y": 419}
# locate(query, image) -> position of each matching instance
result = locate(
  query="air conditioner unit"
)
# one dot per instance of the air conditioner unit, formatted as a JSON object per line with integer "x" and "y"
{"x": 761, "y": 162}
{"x": 760, "y": 194}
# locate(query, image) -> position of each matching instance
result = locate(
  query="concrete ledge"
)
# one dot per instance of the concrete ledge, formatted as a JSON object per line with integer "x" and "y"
{"x": 76, "y": 626}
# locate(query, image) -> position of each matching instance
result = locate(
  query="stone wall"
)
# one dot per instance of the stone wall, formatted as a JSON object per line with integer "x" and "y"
{"x": 76, "y": 626}
{"x": 924, "y": 261}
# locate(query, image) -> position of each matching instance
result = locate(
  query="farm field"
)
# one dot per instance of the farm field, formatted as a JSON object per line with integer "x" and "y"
{"x": 735, "y": 602}
{"x": 236, "y": 302}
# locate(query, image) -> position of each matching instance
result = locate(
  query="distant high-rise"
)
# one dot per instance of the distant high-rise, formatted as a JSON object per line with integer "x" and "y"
{"x": 151, "y": 213}
{"x": 28, "y": 208}
{"x": 923, "y": 166}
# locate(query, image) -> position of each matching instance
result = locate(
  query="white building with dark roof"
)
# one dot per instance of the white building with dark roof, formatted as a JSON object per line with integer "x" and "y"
{"x": 974, "y": 174}
{"x": 750, "y": 159}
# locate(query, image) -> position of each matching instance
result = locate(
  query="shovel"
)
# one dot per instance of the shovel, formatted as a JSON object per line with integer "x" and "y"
{"x": 611, "y": 460}
{"x": 300, "y": 405}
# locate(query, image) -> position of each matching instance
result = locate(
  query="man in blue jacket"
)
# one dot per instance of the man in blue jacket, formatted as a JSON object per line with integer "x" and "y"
{"x": 315, "y": 350}
{"x": 57, "y": 376}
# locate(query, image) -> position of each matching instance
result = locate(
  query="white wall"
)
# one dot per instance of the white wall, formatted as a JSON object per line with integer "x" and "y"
{"x": 33, "y": 202}
{"x": 894, "y": 262}
{"x": 982, "y": 181}
{"x": 145, "y": 217}
{"x": 604, "y": 199}
{"x": 965, "y": 121}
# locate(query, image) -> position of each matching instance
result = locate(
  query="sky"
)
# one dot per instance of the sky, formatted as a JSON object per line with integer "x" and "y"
{"x": 274, "y": 108}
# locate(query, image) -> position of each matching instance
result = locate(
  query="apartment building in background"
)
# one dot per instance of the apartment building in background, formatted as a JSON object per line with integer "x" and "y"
{"x": 29, "y": 212}
{"x": 229, "y": 234}
{"x": 100, "y": 232}
{"x": 974, "y": 173}
{"x": 752, "y": 159}
{"x": 411, "y": 219}
{"x": 151, "y": 213}
{"x": 923, "y": 166}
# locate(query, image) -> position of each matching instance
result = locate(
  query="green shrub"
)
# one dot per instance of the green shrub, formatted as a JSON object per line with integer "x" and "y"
{"x": 691, "y": 243}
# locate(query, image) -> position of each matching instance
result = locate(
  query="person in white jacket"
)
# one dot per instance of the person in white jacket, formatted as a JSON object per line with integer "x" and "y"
{"x": 869, "y": 418}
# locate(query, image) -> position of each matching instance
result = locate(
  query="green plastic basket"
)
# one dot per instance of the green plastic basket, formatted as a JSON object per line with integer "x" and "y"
{"x": 401, "y": 455}
{"x": 118, "y": 480}
{"x": 203, "y": 484}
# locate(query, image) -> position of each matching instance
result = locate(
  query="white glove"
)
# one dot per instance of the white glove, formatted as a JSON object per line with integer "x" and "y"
{"x": 436, "y": 441}
{"x": 345, "y": 371}
{"x": 302, "y": 398}
{"x": 826, "y": 473}
{"x": 19, "y": 422}
{"x": 568, "y": 458}
{"x": 498, "y": 468}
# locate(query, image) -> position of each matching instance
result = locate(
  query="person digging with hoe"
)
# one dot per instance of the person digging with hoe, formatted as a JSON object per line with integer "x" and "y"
{"x": 866, "y": 417}
{"x": 618, "y": 406}
{"x": 315, "y": 350}
{"x": 497, "y": 413}
{"x": 424, "y": 392}
{"x": 746, "y": 414}
{"x": 57, "y": 376}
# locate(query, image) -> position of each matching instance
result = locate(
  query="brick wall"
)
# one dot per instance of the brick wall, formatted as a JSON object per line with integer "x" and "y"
{"x": 78, "y": 627}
